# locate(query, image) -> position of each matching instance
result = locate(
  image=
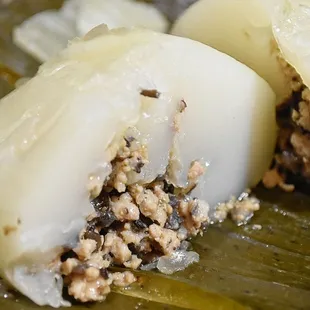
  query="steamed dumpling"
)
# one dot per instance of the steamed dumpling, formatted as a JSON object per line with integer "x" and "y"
{"x": 61, "y": 129}
{"x": 241, "y": 29}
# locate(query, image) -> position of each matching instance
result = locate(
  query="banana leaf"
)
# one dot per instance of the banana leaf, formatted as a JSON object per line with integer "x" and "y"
{"x": 262, "y": 265}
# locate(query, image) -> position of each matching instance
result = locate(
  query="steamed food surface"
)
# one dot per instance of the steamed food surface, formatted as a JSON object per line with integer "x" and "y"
{"x": 209, "y": 272}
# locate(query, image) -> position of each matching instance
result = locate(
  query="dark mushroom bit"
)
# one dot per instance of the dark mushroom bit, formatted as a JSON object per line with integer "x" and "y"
{"x": 152, "y": 93}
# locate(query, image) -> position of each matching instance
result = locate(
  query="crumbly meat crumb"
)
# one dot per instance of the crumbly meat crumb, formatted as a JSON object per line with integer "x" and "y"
{"x": 166, "y": 238}
{"x": 124, "y": 208}
{"x": 68, "y": 266}
{"x": 301, "y": 143}
{"x": 195, "y": 172}
{"x": 123, "y": 279}
{"x": 153, "y": 204}
{"x": 301, "y": 115}
{"x": 195, "y": 213}
{"x": 88, "y": 282}
{"x": 117, "y": 247}
{"x": 129, "y": 236}
{"x": 133, "y": 263}
{"x": 273, "y": 178}
{"x": 85, "y": 248}
{"x": 240, "y": 210}
{"x": 131, "y": 157}
{"x": 86, "y": 288}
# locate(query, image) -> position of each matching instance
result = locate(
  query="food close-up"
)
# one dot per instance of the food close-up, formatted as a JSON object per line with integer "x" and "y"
{"x": 154, "y": 154}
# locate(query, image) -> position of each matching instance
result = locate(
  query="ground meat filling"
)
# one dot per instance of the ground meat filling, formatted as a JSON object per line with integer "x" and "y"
{"x": 132, "y": 226}
{"x": 291, "y": 164}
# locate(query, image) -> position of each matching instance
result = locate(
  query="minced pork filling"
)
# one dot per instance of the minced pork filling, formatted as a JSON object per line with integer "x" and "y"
{"x": 291, "y": 165}
{"x": 135, "y": 226}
